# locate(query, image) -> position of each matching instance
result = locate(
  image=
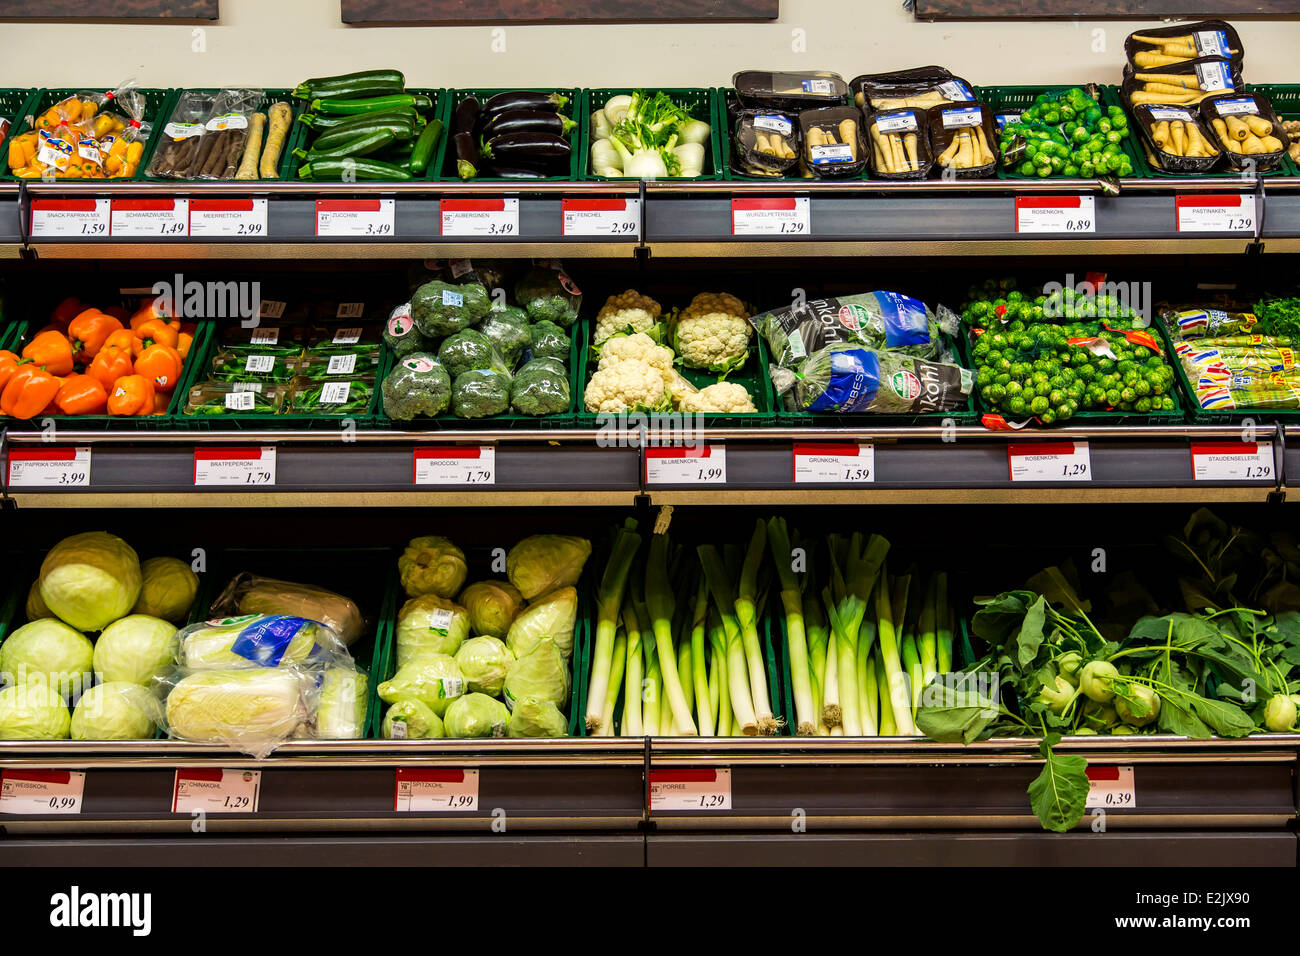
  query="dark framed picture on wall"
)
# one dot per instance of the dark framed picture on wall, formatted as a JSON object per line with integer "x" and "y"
{"x": 82, "y": 10}
{"x": 1099, "y": 9}
{"x": 383, "y": 12}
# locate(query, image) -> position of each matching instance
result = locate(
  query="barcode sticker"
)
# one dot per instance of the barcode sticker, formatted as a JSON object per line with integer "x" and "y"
{"x": 335, "y": 393}
{"x": 342, "y": 364}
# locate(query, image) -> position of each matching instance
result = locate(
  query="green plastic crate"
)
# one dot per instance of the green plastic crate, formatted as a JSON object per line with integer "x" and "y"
{"x": 155, "y": 100}
{"x": 271, "y": 96}
{"x": 702, "y": 104}
{"x": 202, "y": 335}
{"x": 303, "y": 135}
{"x": 753, "y": 375}
{"x": 15, "y": 106}
{"x": 1285, "y": 168}
{"x": 1015, "y": 99}
{"x": 254, "y": 422}
{"x": 965, "y": 415}
{"x": 447, "y": 421}
{"x": 1285, "y": 99}
{"x": 1177, "y": 415}
{"x": 443, "y": 165}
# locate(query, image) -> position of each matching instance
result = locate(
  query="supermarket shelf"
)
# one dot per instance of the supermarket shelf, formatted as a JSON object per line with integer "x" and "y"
{"x": 1111, "y": 849}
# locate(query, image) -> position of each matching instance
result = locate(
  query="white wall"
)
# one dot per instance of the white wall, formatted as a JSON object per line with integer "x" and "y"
{"x": 280, "y": 42}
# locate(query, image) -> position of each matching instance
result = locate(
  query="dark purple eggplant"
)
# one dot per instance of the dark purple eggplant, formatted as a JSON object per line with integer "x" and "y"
{"x": 512, "y": 172}
{"x": 526, "y": 147}
{"x": 466, "y": 115}
{"x": 467, "y": 158}
{"x": 527, "y": 121}
{"x": 524, "y": 100}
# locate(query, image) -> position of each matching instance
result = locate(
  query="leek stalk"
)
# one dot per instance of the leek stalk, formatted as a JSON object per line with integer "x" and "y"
{"x": 778, "y": 539}
{"x": 662, "y": 604}
{"x": 747, "y": 611}
{"x": 738, "y": 684}
{"x": 609, "y": 603}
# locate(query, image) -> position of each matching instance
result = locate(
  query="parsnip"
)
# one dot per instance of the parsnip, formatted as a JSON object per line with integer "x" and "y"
{"x": 909, "y": 147}
{"x": 1237, "y": 128}
{"x": 1179, "y": 137}
{"x": 252, "y": 147}
{"x": 884, "y": 154}
{"x": 1258, "y": 125}
{"x": 1160, "y": 133}
{"x": 986, "y": 154}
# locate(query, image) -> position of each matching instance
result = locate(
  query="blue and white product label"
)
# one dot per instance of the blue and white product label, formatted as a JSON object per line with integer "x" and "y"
{"x": 1171, "y": 113}
{"x": 820, "y": 87}
{"x": 452, "y": 298}
{"x": 957, "y": 91}
{"x": 838, "y": 153}
{"x": 265, "y": 642}
{"x": 774, "y": 123}
{"x": 1236, "y": 106}
{"x": 1211, "y": 43}
{"x": 967, "y": 116}
{"x": 1214, "y": 76}
{"x": 1004, "y": 118}
{"x": 855, "y": 380}
{"x": 905, "y": 320}
{"x": 896, "y": 123}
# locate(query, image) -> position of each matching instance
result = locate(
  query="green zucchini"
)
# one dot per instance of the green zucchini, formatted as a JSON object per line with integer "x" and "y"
{"x": 352, "y": 85}
{"x": 368, "y": 170}
{"x": 364, "y": 145}
{"x": 424, "y": 146}
{"x": 323, "y": 124}
{"x": 338, "y": 106}
{"x": 328, "y": 142}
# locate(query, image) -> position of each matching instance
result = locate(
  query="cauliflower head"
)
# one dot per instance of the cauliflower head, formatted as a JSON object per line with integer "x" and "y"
{"x": 629, "y": 312}
{"x": 622, "y": 347}
{"x": 629, "y": 385}
{"x": 722, "y": 397}
{"x": 681, "y": 389}
{"x": 712, "y": 332}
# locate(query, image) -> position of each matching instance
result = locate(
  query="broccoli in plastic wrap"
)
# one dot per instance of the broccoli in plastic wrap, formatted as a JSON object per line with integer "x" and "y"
{"x": 508, "y": 332}
{"x": 440, "y": 308}
{"x": 548, "y": 340}
{"x": 401, "y": 335}
{"x": 549, "y": 295}
{"x": 541, "y": 387}
{"x": 417, "y": 385}
{"x": 480, "y": 393}
{"x": 469, "y": 349}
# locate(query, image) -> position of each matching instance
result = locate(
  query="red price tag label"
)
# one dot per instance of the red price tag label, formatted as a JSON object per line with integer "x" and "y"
{"x": 235, "y": 466}
{"x": 356, "y": 218}
{"x": 456, "y": 465}
{"x": 492, "y": 218}
{"x": 1050, "y": 461}
{"x": 39, "y": 792}
{"x": 228, "y": 218}
{"x": 790, "y": 216}
{"x": 1057, "y": 214}
{"x": 70, "y": 218}
{"x": 216, "y": 791}
{"x": 1111, "y": 788}
{"x": 150, "y": 218}
{"x": 427, "y": 791}
{"x": 827, "y": 464}
{"x": 602, "y": 217}
{"x": 686, "y": 466}
{"x": 1229, "y": 213}
{"x": 1233, "y": 461}
{"x": 49, "y": 467}
{"x": 690, "y": 789}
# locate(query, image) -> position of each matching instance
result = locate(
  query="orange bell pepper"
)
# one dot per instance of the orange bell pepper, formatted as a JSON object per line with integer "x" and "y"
{"x": 121, "y": 339}
{"x": 81, "y": 395}
{"x": 155, "y": 332}
{"x": 9, "y": 363}
{"x": 131, "y": 395}
{"x": 183, "y": 343}
{"x": 161, "y": 364}
{"x": 150, "y": 310}
{"x": 52, "y": 350}
{"x": 29, "y": 391}
{"x": 112, "y": 362}
{"x": 66, "y": 311}
{"x": 89, "y": 331}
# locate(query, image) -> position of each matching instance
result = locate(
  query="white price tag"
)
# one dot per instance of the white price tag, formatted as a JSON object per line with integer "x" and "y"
{"x": 69, "y": 218}
{"x": 1230, "y": 213}
{"x": 228, "y": 217}
{"x": 36, "y": 792}
{"x": 835, "y": 464}
{"x": 690, "y": 789}
{"x": 1067, "y": 214}
{"x": 480, "y": 217}
{"x": 425, "y": 791}
{"x": 706, "y": 465}
{"x": 235, "y": 466}
{"x": 259, "y": 364}
{"x": 373, "y": 218}
{"x": 1111, "y": 788}
{"x": 335, "y": 393}
{"x": 456, "y": 465}
{"x": 602, "y": 217}
{"x": 1050, "y": 461}
{"x": 1233, "y": 461}
{"x": 49, "y": 467}
{"x": 342, "y": 364}
{"x": 149, "y": 218}
{"x": 242, "y": 399}
{"x": 771, "y": 217}
{"x": 216, "y": 791}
